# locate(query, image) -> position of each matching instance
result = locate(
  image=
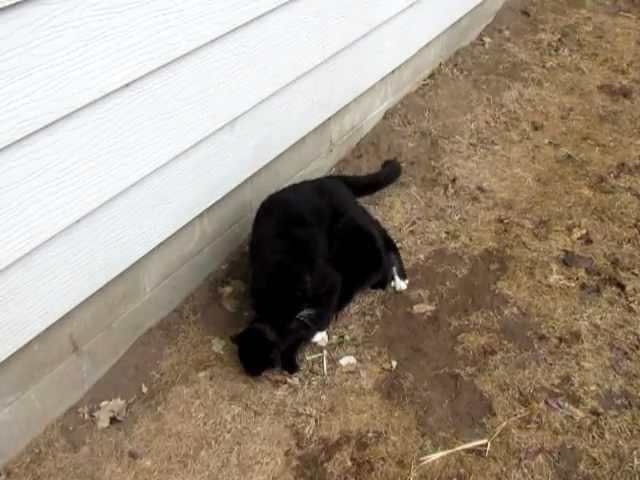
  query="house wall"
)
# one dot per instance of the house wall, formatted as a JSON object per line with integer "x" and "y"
{"x": 124, "y": 120}
{"x": 141, "y": 142}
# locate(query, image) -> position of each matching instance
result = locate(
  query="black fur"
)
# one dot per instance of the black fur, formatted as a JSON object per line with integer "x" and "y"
{"x": 313, "y": 247}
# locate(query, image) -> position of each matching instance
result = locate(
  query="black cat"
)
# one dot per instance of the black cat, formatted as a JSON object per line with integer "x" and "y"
{"x": 313, "y": 246}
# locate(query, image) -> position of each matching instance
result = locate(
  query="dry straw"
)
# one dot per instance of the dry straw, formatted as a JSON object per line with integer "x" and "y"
{"x": 484, "y": 443}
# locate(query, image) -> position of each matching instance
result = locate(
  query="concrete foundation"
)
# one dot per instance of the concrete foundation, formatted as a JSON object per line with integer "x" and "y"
{"x": 51, "y": 373}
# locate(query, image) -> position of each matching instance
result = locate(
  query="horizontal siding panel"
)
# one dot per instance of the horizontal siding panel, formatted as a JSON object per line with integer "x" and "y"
{"x": 48, "y": 282}
{"x": 65, "y": 171}
{"x": 6, "y": 3}
{"x": 57, "y": 56}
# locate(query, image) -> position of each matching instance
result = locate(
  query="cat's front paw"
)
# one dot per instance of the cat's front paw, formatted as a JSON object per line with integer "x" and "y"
{"x": 400, "y": 285}
{"x": 321, "y": 339}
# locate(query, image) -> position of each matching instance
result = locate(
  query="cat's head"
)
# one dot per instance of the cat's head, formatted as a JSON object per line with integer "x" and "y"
{"x": 258, "y": 349}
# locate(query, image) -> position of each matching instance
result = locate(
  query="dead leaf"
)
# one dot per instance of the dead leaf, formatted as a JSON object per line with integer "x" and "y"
{"x": 84, "y": 413}
{"x": 110, "y": 410}
{"x": 217, "y": 345}
{"x": 229, "y": 295}
{"x": 391, "y": 366}
{"x": 564, "y": 407}
{"x": 573, "y": 259}
{"x": 422, "y": 308}
{"x": 229, "y": 303}
{"x": 581, "y": 235}
{"x": 293, "y": 381}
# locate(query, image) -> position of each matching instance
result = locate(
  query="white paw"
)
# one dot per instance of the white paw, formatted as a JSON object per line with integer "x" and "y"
{"x": 321, "y": 339}
{"x": 400, "y": 285}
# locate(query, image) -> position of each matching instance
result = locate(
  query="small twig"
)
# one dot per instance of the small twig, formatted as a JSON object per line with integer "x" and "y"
{"x": 418, "y": 197}
{"x": 485, "y": 442}
{"x": 412, "y": 471}
{"x": 506, "y": 422}
{"x": 467, "y": 446}
{"x": 501, "y": 427}
{"x": 332, "y": 356}
{"x": 324, "y": 362}
{"x": 409, "y": 225}
{"x": 313, "y": 357}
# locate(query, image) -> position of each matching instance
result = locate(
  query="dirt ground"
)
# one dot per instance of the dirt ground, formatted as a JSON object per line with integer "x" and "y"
{"x": 519, "y": 219}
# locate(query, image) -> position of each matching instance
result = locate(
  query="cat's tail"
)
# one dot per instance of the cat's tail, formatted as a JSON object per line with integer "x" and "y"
{"x": 362, "y": 185}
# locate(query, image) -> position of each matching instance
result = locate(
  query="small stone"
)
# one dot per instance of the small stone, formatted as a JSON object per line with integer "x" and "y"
{"x": 347, "y": 360}
{"x": 394, "y": 365}
{"x": 144, "y": 389}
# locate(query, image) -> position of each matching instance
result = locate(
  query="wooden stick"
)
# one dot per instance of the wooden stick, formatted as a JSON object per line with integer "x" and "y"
{"x": 324, "y": 362}
{"x": 467, "y": 446}
{"x": 485, "y": 442}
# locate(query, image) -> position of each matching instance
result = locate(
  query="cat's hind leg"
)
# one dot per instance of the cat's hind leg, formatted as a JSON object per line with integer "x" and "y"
{"x": 399, "y": 284}
{"x": 399, "y": 280}
{"x": 326, "y": 288}
{"x": 360, "y": 257}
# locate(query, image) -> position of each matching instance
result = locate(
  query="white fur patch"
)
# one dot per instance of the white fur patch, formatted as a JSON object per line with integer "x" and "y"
{"x": 398, "y": 284}
{"x": 321, "y": 339}
{"x": 306, "y": 314}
